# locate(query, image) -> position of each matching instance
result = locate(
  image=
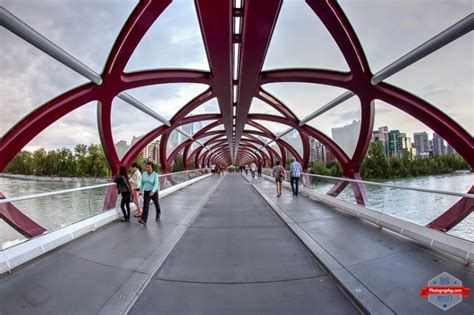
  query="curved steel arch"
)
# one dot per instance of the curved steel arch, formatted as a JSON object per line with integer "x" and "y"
{"x": 215, "y": 20}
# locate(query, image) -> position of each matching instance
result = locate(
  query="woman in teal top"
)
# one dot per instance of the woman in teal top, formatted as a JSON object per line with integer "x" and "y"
{"x": 149, "y": 187}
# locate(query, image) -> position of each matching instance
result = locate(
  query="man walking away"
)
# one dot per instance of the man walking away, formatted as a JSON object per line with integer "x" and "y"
{"x": 295, "y": 173}
{"x": 259, "y": 169}
{"x": 253, "y": 169}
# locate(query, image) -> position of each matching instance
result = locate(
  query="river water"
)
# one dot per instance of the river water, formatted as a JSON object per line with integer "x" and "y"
{"x": 418, "y": 207}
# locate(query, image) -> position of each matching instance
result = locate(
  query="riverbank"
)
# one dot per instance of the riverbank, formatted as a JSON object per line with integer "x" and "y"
{"x": 56, "y": 178}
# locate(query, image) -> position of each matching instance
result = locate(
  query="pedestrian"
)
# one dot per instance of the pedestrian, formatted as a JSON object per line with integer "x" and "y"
{"x": 253, "y": 169}
{"x": 135, "y": 182}
{"x": 246, "y": 169}
{"x": 279, "y": 175}
{"x": 213, "y": 169}
{"x": 259, "y": 169}
{"x": 123, "y": 188}
{"x": 295, "y": 173}
{"x": 149, "y": 187}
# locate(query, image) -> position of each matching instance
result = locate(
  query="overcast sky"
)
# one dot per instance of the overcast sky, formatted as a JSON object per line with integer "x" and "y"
{"x": 86, "y": 29}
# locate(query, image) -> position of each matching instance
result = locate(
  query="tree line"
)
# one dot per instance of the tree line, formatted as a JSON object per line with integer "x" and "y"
{"x": 378, "y": 166}
{"x": 90, "y": 161}
{"x": 84, "y": 161}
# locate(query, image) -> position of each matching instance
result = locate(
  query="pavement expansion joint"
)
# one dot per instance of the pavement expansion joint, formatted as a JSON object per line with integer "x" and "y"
{"x": 244, "y": 282}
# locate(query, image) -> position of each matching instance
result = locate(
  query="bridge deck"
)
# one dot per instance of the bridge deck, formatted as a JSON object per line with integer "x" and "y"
{"x": 235, "y": 255}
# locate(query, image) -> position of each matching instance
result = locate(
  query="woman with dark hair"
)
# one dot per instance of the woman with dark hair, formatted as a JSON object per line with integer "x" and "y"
{"x": 123, "y": 187}
{"x": 136, "y": 181}
{"x": 149, "y": 187}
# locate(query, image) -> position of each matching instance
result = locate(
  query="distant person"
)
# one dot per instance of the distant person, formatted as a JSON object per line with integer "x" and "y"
{"x": 123, "y": 188}
{"x": 246, "y": 169}
{"x": 135, "y": 182}
{"x": 259, "y": 170}
{"x": 295, "y": 173}
{"x": 279, "y": 174}
{"x": 149, "y": 187}
{"x": 253, "y": 169}
{"x": 213, "y": 169}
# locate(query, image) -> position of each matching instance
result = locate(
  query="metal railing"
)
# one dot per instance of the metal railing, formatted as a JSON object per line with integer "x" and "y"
{"x": 57, "y": 209}
{"x": 413, "y": 204}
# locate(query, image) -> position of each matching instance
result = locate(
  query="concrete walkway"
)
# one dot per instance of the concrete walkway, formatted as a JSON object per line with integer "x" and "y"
{"x": 391, "y": 268}
{"x": 239, "y": 258}
{"x": 103, "y": 271}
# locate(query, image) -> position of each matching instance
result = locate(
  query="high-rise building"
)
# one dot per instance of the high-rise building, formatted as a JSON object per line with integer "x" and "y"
{"x": 347, "y": 136}
{"x": 317, "y": 151}
{"x": 398, "y": 144}
{"x": 381, "y": 135}
{"x": 312, "y": 149}
{"x": 422, "y": 144}
{"x": 438, "y": 145}
{"x": 153, "y": 152}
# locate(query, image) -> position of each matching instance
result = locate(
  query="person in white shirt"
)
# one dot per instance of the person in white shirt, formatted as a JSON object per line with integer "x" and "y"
{"x": 135, "y": 183}
{"x": 253, "y": 169}
{"x": 295, "y": 173}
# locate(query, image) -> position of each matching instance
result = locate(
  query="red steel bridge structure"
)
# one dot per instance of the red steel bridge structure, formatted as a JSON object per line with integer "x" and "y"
{"x": 234, "y": 93}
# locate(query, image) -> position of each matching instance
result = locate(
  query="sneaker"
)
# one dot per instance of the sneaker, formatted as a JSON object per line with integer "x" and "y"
{"x": 142, "y": 222}
{"x": 158, "y": 217}
{"x": 137, "y": 215}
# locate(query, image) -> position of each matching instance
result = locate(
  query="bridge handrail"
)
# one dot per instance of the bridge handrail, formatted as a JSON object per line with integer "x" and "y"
{"x": 434, "y": 191}
{"x": 65, "y": 191}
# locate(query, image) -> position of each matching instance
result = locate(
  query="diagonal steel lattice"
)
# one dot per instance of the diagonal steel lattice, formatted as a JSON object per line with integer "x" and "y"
{"x": 234, "y": 93}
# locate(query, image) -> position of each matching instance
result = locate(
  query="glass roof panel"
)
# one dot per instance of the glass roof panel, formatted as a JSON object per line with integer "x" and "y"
{"x": 63, "y": 23}
{"x": 28, "y": 79}
{"x": 167, "y": 99}
{"x": 299, "y": 33}
{"x": 260, "y": 107}
{"x": 274, "y": 127}
{"x": 400, "y": 25}
{"x": 342, "y": 124}
{"x": 303, "y": 98}
{"x": 128, "y": 125}
{"x": 209, "y": 107}
{"x": 176, "y": 138}
{"x": 59, "y": 135}
{"x": 445, "y": 79}
{"x": 293, "y": 138}
{"x": 220, "y": 127}
{"x": 173, "y": 41}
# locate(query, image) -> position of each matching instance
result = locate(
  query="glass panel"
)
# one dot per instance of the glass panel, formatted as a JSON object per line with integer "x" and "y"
{"x": 465, "y": 229}
{"x": 75, "y": 128}
{"x": 274, "y": 127}
{"x": 85, "y": 29}
{"x": 303, "y": 98}
{"x": 174, "y": 40}
{"x": 176, "y": 139}
{"x": 9, "y": 236}
{"x": 297, "y": 27}
{"x": 28, "y": 78}
{"x": 260, "y": 107}
{"x": 397, "y": 130}
{"x": 167, "y": 99}
{"x": 293, "y": 138}
{"x": 220, "y": 127}
{"x": 342, "y": 124}
{"x": 409, "y": 23}
{"x": 445, "y": 79}
{"x": 128, "y": 125}
{"x": 249, "y": 127}
{"x": 209, "y": 107}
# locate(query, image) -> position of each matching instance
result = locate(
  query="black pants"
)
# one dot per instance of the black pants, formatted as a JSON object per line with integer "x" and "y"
{"x": 294, "y": 185}
{"x": 125, "y": 202}
{"x": 146, "y": 204}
